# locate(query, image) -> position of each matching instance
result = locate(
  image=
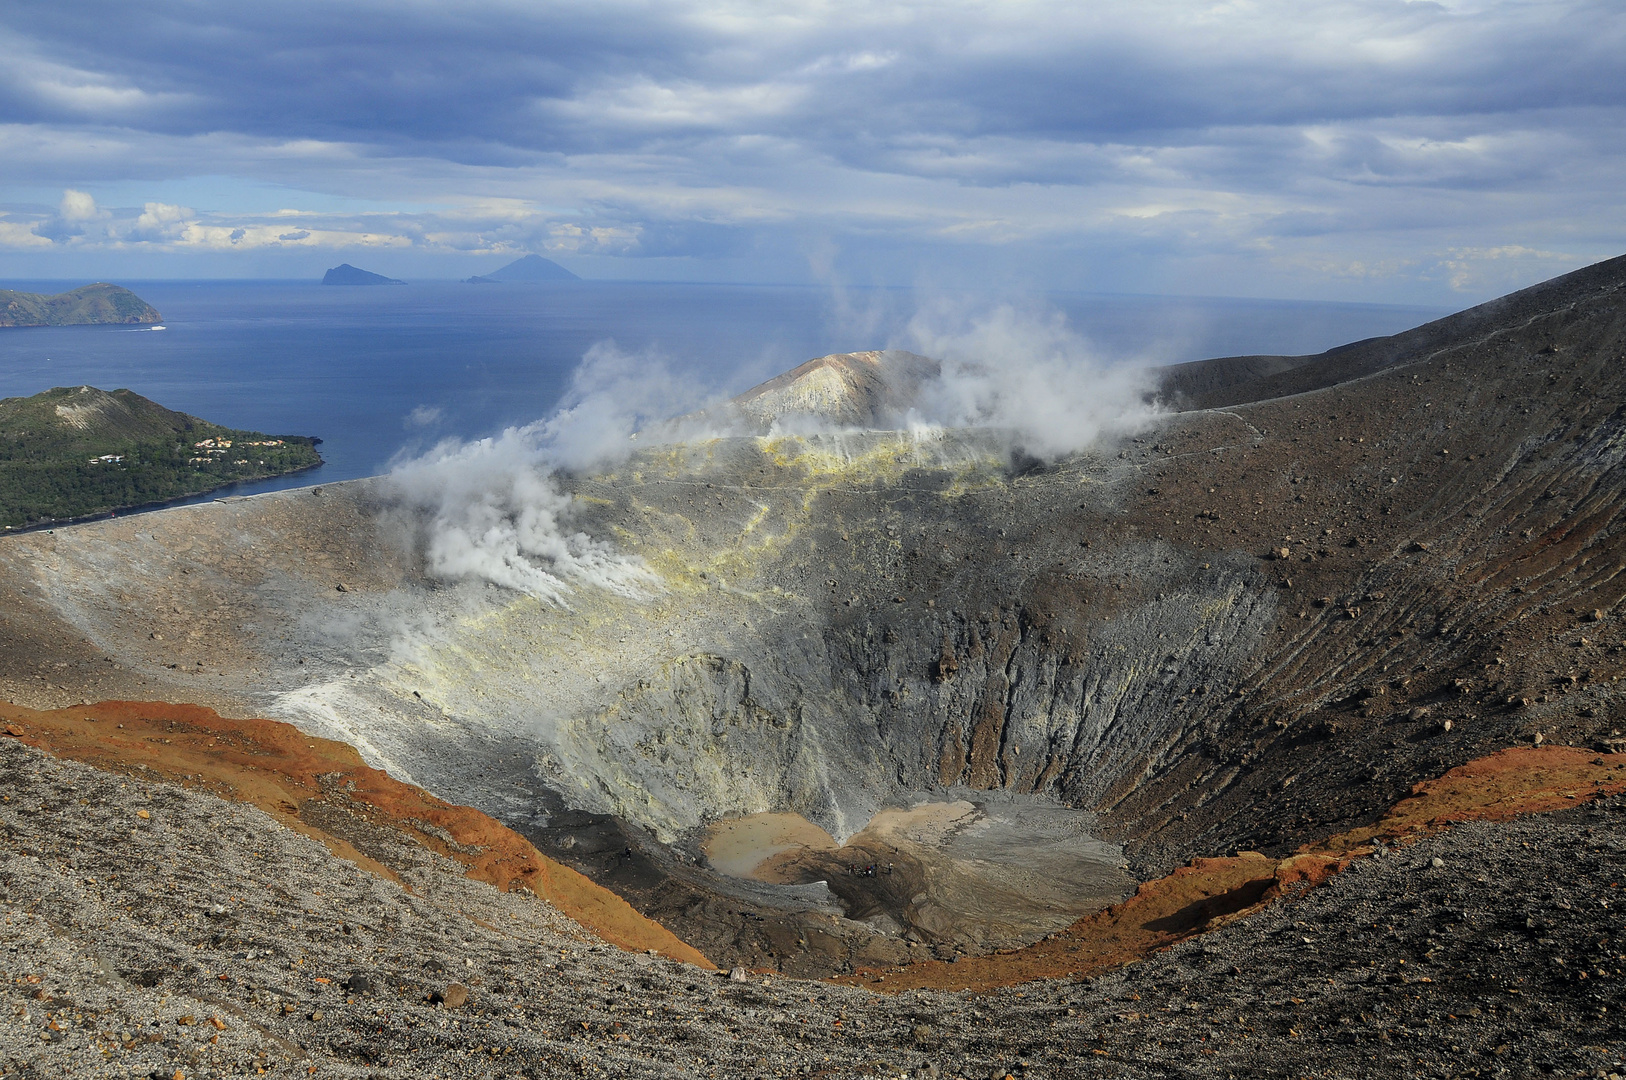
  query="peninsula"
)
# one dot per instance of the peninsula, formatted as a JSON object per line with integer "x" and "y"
{"x": 74, "y": 452}
{"x": 85, "y": 306}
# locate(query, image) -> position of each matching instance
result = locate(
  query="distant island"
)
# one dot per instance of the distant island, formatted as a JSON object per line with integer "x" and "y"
{"x": 74, "y": 452}
{"x": 85, "y": 306}
{"x": 345, "y": 274}
{"x": 530, "y": 268}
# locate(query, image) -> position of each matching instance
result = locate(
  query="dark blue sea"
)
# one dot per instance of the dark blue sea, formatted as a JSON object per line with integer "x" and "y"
{"x": 363, "y": 367}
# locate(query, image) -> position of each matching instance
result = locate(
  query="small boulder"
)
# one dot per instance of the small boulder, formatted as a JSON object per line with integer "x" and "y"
{"x": 454, "y": 996}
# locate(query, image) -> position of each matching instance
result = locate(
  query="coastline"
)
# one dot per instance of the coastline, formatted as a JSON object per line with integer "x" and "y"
{"x": 148, "y": 507}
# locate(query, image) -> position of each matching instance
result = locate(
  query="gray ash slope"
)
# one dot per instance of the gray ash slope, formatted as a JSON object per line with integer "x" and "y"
{"x": 1246, "y": 627}
{"x": 195, "y": 940}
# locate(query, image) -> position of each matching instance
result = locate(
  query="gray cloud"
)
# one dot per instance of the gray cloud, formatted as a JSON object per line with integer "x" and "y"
{"x": 1273, "y": 136}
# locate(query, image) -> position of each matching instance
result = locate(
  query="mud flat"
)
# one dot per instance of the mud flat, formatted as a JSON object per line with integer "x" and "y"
{"x": 751, "y": 846}
{"x": 995, "y": 873}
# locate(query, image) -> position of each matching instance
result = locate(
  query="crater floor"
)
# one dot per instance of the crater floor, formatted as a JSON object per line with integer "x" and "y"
{"x": 207, "y": 938}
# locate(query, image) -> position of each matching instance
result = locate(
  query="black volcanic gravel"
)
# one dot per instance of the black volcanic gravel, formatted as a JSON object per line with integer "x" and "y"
{"x": 127, "y": 938}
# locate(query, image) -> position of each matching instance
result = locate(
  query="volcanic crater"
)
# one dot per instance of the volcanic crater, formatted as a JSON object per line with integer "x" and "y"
{"x": 883, "y": 699}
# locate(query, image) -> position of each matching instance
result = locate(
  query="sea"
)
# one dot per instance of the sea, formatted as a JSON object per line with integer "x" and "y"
{"x": 381, "y": 373}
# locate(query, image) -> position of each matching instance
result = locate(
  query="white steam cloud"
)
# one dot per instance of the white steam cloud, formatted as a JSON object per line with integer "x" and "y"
{"x": 613, "y": 396}
{"x": 492, "y": 510}
{"x": 1027, "y": 373}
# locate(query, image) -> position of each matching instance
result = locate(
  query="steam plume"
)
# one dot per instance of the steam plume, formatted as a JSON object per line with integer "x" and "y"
{"x": 1027, "y": 373}
{"x": 491, "y": 508}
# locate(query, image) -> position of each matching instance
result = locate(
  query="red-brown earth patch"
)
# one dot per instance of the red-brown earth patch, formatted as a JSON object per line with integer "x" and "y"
{"x": 323, "y": 789}
{"x": 294, "y": 776}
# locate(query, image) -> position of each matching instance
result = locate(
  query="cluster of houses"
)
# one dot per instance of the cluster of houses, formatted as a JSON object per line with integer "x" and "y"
{"x": 220, "y": 446}
{"x": 208, "y": 446}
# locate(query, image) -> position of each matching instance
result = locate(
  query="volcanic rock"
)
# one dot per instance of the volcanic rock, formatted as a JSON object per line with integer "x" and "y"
{"x": 452, "y": 996}
{"x": 768, "y": 668}
{"x": 1422, "y": 957}
{"x": 1160, "y": 689}
{"x": 853, "y": 390}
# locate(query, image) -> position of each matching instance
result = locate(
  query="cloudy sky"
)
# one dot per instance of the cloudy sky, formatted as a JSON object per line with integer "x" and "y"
{"x": 1355, "y": 149}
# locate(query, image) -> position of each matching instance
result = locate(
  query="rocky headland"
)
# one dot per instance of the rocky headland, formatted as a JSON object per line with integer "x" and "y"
{"x": 87, "y": 305}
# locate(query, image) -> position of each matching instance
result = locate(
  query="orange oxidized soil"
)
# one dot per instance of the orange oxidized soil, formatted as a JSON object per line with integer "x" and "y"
{"x": 1211, "y": 892}
{"x": 281, "y": 770}
{"x": 284, "y": 772}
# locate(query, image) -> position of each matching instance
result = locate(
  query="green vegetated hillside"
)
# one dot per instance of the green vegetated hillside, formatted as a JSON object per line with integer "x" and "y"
{"x": 99, "y": 303}
{"x": 76, "y": 451}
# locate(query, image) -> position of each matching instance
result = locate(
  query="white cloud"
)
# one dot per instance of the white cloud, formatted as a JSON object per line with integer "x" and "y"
{"x": 1479, "y": 267}
{"x": 162, "y": 222}
{"x": 78, "y": 206}
{"x": 65, "y": 88}
{"x": 645, "y": 103}
{"x": 15, "y": 234}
